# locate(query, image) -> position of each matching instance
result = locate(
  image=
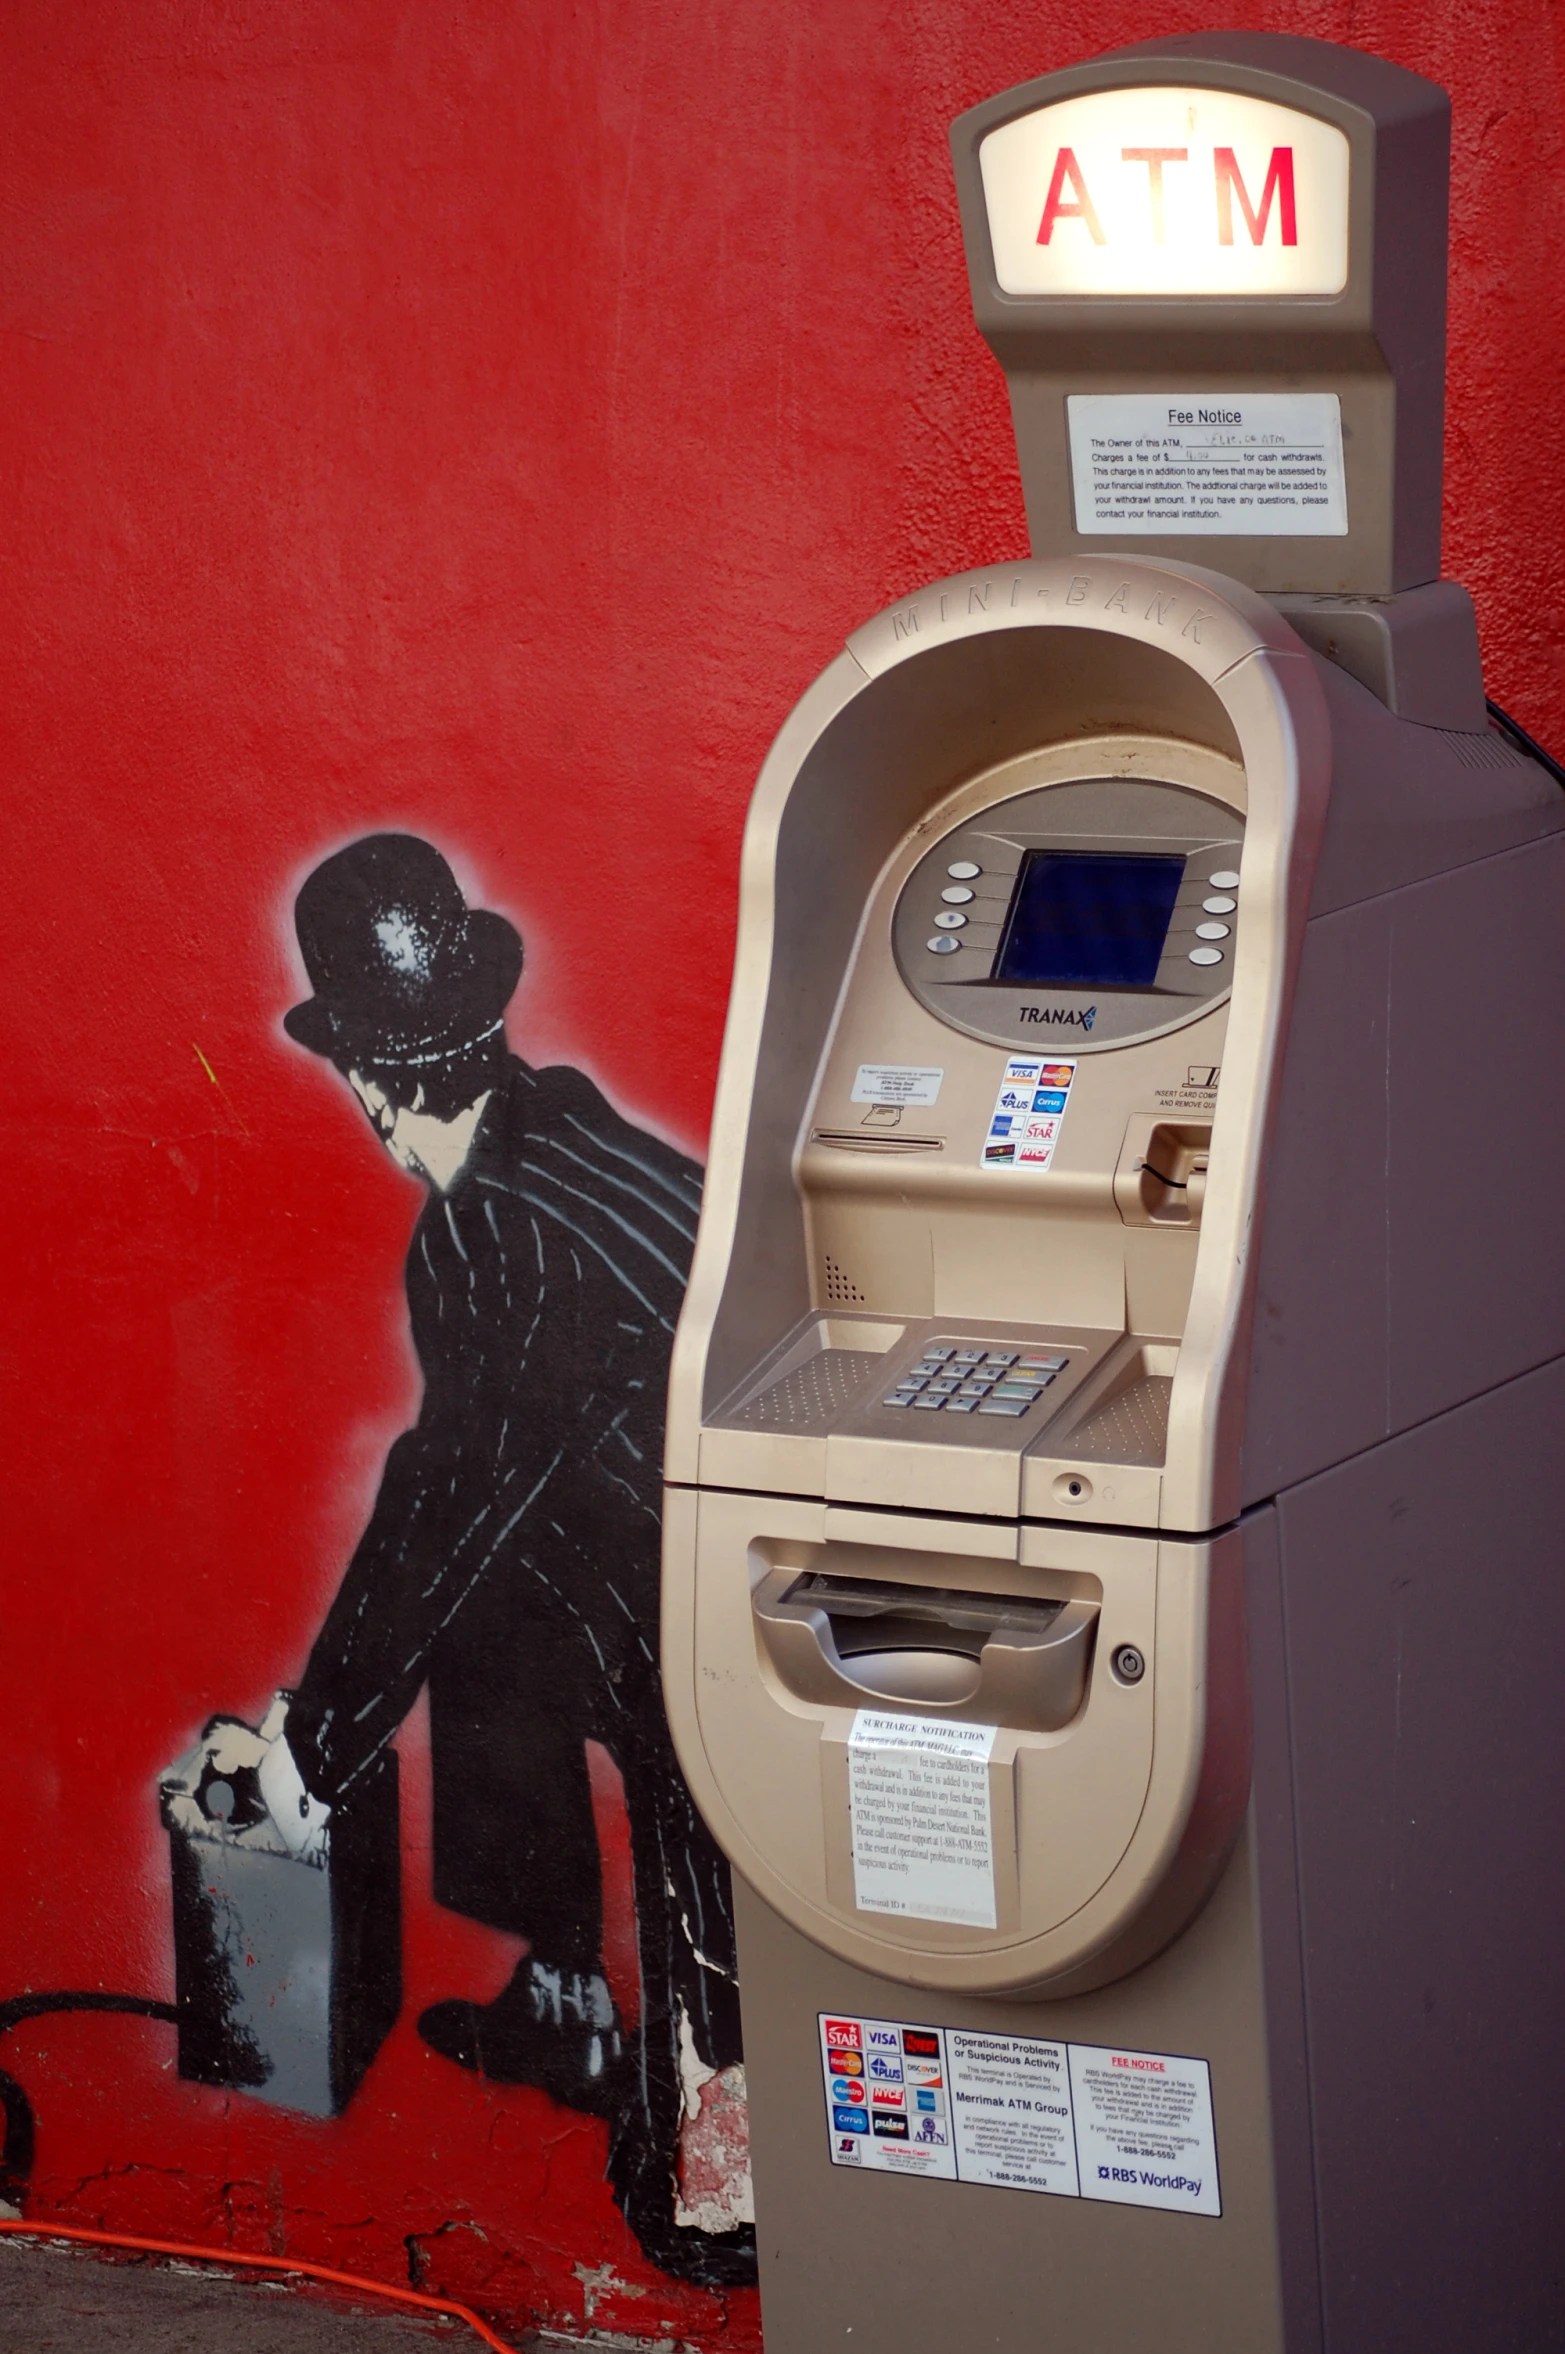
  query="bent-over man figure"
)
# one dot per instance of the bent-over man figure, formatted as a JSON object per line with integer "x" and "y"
{"x": 511, "y": 1561}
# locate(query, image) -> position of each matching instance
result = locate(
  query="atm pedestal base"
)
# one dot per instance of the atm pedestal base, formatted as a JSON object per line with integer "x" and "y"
{"x": 883, "y": 2264}
{"x": 1374, "y": 1984}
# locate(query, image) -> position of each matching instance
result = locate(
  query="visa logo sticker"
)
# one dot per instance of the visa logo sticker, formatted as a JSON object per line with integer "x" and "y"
{"x": 885, "y": 2037}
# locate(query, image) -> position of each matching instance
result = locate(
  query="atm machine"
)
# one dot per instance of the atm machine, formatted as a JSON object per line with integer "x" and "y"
{"x": 1116, "y": 1445}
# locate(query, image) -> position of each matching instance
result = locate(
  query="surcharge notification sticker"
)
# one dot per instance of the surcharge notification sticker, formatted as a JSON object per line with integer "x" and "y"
{"x": 1015, "y": 2112}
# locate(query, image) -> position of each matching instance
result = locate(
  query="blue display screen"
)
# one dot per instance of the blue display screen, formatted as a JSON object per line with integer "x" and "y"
{"x": 1083, "y": 919}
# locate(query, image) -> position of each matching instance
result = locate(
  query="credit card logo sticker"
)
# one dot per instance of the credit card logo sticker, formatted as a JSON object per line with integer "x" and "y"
{"x": 843, "y": 2088}
{"x": 886, "y": 2096}
{"x": 848, "y": 2063}
{"x": 850, "y": 2120}
{"x": 890, "y": 2128}
{"x": 1024, "y": 1128}
{"x": 887, "y": 2071}
{"x": 843, "y": 2031}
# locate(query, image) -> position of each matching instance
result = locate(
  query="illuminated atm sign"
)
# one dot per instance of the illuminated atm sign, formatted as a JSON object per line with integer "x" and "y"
{"x": 1167, "y": 191}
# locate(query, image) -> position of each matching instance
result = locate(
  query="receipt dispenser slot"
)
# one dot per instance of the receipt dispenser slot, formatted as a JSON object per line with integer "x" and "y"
{"x": 1000, "y": 1658}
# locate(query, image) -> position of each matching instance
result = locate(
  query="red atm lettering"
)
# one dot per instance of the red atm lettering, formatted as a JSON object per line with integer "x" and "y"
{"x": 1155, "y": 158}
{"x": 1055, "y": 207}
{"x": 1279, "y": 183}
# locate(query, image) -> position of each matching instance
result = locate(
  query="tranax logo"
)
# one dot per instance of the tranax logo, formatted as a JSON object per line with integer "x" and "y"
{"x": 1060, "y": 1017}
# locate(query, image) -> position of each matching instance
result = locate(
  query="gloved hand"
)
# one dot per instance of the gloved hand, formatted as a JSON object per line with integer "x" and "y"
{"x": 301, "y": 1819}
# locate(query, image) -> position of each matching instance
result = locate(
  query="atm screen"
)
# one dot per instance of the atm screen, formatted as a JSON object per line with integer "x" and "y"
{"x": 1091, "y": 920}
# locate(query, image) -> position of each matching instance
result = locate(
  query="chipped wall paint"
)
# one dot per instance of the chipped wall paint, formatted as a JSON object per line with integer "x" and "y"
{"x": 478, "y": 421}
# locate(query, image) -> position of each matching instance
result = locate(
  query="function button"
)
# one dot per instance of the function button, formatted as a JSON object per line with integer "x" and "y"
{"x": 960, "y": 1405}
{"x": 1010, "y": 1406}
{"x": 1206, "y": 956}
{"x": 931, "y": 1401}
{"x": 942, "y": 945}
{"x": 1001, "y": 1357}
{"x": 1035, "y": 1364}
{"x": 1023, "y": 1389}
{"x": 1221, "y": 905}
{"x": 1225, "y": 879}
{"x": 957, "y": 895}
{"x": 964, "y": 870}
{"x": 950, "y": 919}
{"x": 1211, "y": 931}
{"x": 935, "y": 1354}
{"x": 898, "y": 1398}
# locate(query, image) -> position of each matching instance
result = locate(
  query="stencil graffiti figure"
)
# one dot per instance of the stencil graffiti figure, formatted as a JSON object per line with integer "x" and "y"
{"x": 511, "y": 1560}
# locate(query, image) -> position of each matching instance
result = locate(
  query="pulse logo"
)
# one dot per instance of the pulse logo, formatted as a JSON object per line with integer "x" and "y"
{"x": 1059, "y": 1017}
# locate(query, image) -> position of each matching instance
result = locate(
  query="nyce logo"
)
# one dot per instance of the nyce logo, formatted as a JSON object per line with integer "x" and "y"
{"x": 1059, "y": 1017}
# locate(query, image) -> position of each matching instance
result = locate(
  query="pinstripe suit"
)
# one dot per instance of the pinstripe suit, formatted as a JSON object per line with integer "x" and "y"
{"x": 511, "y": 1561}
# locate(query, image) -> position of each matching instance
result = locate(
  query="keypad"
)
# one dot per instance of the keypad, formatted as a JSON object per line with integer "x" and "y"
{"x": 966, "y": 1378}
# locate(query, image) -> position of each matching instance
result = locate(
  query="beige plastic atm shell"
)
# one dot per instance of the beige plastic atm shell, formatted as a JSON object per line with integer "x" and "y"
{"x": 1266, "y": 685}
{"x": 1109, "y": 1833}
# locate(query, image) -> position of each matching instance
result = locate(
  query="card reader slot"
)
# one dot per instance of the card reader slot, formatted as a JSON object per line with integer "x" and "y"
{"x": 1000, "y": 1658}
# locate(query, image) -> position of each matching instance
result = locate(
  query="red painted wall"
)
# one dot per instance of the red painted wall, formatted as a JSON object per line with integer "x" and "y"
{"x": 482, "y": 419}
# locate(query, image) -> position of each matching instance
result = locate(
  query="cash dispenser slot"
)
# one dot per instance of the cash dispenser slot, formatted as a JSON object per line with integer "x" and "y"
{"x": 1000, "y": 1658}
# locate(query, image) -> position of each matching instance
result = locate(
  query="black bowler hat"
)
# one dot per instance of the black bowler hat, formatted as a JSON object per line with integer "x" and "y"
{"x": 404, "y": 971}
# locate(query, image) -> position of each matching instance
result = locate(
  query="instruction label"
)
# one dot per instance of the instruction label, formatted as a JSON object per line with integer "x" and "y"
{"x": 918, "y": 1800}
{"x": 1014, "y": 2112}
{"x": 897, "y": 1083}
{"x": 1233, "y": 465}
{"x": 1028, "y": 1112}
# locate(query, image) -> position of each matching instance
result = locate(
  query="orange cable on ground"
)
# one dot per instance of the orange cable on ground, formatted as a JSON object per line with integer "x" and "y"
{"x": 341, "y": 2280}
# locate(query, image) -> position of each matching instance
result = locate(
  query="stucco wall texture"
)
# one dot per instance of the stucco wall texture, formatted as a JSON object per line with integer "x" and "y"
{"x": 485, "y": 419}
